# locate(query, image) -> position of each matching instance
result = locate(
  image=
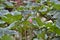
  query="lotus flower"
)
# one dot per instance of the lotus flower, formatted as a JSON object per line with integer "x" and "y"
{"x": 30, "y": 20}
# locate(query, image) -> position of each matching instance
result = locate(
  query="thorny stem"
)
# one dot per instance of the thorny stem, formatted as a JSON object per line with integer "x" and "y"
{"x": 25, "y": 34}
{"x": 31, "y": 36}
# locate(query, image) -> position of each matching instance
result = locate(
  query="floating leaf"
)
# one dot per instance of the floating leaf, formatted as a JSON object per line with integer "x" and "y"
{"x": 10, "y": 18}
{"x": 7, "y": 37}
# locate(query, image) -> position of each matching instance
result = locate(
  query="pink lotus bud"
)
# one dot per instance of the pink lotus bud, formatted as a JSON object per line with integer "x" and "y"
{"x": 30, "y": 20}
